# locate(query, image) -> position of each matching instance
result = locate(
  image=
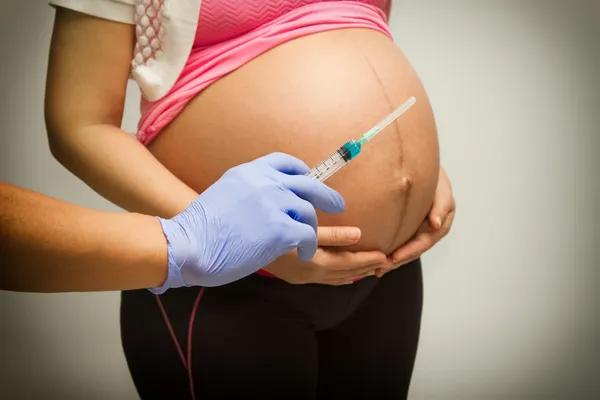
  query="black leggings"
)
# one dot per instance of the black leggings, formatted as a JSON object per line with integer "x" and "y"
{"x": 261, "y": 337}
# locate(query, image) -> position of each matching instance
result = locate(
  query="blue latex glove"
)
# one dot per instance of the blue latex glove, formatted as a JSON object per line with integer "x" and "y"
{"x": 253, "y": 214}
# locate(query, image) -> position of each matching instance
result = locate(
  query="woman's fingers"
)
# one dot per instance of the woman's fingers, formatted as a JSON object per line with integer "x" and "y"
{"x": 338, "y": 235}
{"x": 440, "y": 211}
{"x": 345, "y": 261}
{"x": 379, "y": 272}
{"x": 443, "y": 202}
{"x": 345, "y": 266}
{"x": 417, "y": 246}
{"x": 348, "y": 280}
{"x": 423, "y": 241}
{"x": 355, "y": 274}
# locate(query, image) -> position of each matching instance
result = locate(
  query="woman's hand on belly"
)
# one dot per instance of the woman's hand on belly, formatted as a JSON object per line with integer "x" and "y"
{"x": 329, "y": 267}
{"x": 435, "y": 227}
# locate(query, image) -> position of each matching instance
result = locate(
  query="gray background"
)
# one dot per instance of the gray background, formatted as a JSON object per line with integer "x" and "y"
{"x": 510, "y": 307}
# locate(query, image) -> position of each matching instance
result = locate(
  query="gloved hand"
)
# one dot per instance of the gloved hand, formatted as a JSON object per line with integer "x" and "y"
{"x": 253, "y": 214}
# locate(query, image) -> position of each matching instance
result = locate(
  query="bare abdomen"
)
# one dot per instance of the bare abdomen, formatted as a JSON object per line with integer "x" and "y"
{"x": 306, "y": 98}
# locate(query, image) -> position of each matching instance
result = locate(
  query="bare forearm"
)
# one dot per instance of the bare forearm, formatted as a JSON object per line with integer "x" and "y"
{"x": 47, "y": 245}
{"x": 88, "y": 67}
{"x": 122, "y": 170}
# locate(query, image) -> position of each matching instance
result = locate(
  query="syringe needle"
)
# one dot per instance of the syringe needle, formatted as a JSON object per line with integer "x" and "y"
{"x": 381, "y": 125}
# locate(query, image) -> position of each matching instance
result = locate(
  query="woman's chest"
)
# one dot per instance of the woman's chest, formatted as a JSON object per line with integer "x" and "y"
{"x": 221, "y": 20}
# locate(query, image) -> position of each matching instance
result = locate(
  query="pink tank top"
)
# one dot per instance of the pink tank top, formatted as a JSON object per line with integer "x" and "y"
{"x": 222, "y": 20}
{"x": 231, "y": 33}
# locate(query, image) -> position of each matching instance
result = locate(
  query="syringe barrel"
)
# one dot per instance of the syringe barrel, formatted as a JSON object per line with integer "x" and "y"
{"x": 328, "y": 167}
{"x": 336, "y": 161}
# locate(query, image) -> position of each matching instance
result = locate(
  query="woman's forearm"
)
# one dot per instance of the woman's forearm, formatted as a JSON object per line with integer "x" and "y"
{"x": 118, "y": 167}
{"x": 47, "y": 245}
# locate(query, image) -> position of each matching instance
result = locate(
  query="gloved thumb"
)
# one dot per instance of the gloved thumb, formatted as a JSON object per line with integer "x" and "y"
{"x": 305, "y": 239}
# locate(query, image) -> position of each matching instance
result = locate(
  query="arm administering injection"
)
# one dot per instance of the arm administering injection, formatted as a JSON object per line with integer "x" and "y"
{"x": 47, "y": 245}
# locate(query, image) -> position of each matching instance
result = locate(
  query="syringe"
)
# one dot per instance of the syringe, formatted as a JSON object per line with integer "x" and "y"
{"x": 349, "y": 150}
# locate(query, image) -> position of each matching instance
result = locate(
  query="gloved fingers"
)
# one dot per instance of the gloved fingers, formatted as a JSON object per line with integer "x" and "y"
{"x": 286, "y": 164}
{"x": 300, "y": 210}
{"x": 317, "y": 193}
{"x": 305, "y": 238}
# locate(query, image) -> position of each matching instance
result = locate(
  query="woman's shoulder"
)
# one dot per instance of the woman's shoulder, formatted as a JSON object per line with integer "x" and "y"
{"x": 158, "y": 58}
{"x": 114, "y": 10}
{"x": 125, "y": 10}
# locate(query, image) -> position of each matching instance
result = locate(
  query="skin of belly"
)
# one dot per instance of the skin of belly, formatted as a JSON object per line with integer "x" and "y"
{"x": 306, "y": 98}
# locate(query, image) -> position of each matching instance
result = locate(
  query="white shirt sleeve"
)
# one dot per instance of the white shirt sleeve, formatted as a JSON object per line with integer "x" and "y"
{"x": 114, "y": 10}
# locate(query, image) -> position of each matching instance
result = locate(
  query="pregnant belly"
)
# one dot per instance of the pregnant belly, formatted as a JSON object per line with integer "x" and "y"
{"x": 306, "y": 98}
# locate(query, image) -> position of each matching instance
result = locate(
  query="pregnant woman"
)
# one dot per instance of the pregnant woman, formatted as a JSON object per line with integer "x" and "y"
{"x": 224, "y": 82}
